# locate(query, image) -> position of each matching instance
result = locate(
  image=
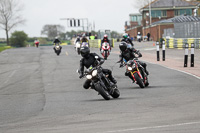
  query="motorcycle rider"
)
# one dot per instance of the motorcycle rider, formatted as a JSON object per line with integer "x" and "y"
{"x": 84, "y": 39}
{"x": 37, "y": 42}
{"x": 127, "y": 39}
{"x": 78, "y": 39}
{"x": 88, "y": 60}
{"x": 129, "y": 54}
{"x": 105, "y": 39}
{"x": 57, "y": 42}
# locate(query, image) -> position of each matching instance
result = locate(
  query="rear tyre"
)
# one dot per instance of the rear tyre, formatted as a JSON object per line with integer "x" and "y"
{"x": 139, "y": 80}
{"x": 115, "y": 94}
{"x": 102, "y": 92}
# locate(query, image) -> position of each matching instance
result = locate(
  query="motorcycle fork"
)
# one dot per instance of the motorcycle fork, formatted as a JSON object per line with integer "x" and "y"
{"x": 138, "y": 71}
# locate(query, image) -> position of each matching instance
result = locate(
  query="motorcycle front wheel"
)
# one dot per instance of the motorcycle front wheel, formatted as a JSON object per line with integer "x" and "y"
{"x": 139, "y": 80}
{"x": 58, "y": 53}
{"x": 106, "y": 55}
{"x": 102, "y": 92}
{"x": 78, "y": 50}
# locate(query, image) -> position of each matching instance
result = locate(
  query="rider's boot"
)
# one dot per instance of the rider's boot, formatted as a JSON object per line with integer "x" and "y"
{"x": 112, "y": 79}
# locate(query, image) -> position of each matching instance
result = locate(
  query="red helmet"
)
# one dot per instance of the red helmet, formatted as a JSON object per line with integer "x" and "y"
{"x": 105, "y": 36}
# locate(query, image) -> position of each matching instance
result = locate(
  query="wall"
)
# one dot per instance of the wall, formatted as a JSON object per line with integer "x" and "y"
{"x": 156, "y": 31}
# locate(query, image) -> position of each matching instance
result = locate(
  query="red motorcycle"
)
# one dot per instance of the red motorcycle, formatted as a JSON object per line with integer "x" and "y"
{"x": 105, "y": 50}
{"x": 137, "y": 72}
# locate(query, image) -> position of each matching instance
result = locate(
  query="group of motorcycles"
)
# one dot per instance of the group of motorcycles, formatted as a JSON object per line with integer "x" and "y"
{"x": 101, "y": 83}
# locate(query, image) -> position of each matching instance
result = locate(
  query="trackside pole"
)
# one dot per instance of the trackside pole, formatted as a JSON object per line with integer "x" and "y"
{"x": 157, "y": 46}
{"x": 192, "y": 55}
{"x": 186, "y": 55}
{"x": 163, "y": 50}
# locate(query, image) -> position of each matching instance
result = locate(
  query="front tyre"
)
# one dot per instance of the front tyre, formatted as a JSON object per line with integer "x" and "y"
{"x": 139, "y": 80}
{"x": 106, "y": 55}
{"x": 58, "y": 53}
{"x": 102, "y": 92}
{"x": 78, "y": 50}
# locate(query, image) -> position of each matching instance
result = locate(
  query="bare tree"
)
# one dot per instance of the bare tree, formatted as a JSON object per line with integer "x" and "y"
{"x": 52, "y": 30}
{"x": 138, "y": 4}
{"x": 10, "y": 15}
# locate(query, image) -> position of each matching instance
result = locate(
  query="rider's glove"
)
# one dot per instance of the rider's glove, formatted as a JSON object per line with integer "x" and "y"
{"x": 96, "y": 62}
{"x": 140, "y": 55}
{"x": 121, "y": 65}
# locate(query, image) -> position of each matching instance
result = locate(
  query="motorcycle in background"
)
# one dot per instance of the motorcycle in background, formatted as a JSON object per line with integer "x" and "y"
{"x": 78, "y": 47}
{"x": 37, "y": 43}
{"x": 57, "y": 49}
{"x": 105, "y": 50}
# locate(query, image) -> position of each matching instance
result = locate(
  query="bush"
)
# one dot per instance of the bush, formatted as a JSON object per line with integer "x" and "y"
{"x": 18, "y": 39}
{"x": 4, "y": 48}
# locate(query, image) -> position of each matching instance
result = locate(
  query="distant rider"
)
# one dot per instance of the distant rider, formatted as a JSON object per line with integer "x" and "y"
{"x": 88, "y": 60}
{"x": 37, "y": 42}
{"x": 56, "y": 42}
{"x": 105, "y": 39}
{"x": 84, "y": 39}
{"x": 78, "y": 39}
{"x": 127, "y": 39}
{"x": 129, "y": 54}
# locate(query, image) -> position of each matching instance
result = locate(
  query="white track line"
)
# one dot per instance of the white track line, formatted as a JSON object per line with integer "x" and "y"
{"x": 153, "y": 127}
{"x": 10, "y": 76}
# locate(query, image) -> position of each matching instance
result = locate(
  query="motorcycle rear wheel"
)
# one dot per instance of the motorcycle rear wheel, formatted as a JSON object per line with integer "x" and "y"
{"x": 115, "y": 94}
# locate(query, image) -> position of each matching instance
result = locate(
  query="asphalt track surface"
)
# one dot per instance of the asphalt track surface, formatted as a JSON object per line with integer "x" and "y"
{"x": 40, "y": 92}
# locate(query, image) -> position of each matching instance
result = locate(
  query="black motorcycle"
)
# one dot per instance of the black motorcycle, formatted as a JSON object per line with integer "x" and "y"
{"x": 57, "y": 49}
{"x": 101, "y": 83}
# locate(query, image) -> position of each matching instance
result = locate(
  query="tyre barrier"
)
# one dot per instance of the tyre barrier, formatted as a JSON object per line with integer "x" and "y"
{"x": 180, "y": 42}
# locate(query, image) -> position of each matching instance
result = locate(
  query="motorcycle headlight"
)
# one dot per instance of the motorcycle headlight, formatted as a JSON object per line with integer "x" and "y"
{"x": 89, "y": 76}
{"x": 129, "y": 68}
{"x": 94, "y": 73}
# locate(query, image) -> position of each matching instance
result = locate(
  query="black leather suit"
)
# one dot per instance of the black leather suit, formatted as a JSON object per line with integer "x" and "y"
{"x": 90, "y": 60}
{"x": 129, "y": 54}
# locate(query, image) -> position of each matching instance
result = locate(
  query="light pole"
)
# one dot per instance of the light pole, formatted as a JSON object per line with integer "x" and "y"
{"x": 150, "y": 11}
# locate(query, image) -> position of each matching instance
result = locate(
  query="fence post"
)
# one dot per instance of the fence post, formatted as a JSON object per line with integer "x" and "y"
{"x": 192, "y": 54}
{"x": 157, "y": 45}
{"x": 163, "y": 50}
{"x": 186, "y": 55}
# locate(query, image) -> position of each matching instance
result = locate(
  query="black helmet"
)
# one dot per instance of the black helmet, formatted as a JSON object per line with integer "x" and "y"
{"x": 85, "y": 51}
{"x": 123, "y": 46}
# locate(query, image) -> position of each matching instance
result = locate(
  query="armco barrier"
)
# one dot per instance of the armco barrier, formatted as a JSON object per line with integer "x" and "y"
{"x": 180, "y": 42}
{"x": 97, "y": 43}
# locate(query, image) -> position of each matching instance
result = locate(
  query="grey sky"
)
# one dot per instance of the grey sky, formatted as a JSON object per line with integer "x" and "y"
{"x": 106, "y": 14}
